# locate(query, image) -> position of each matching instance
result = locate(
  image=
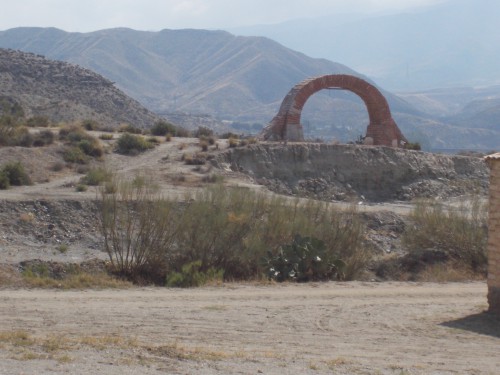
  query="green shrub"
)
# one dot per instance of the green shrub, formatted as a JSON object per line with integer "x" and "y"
{"x": 162, "y": 128}
{"x": 44, "y": 138}
{"x": 76, "y": 137}
{"x": 4, "y": 180}
{"x": 203, "y": 131}
{"x": 90, "y": 124}
{"x": 90, "y": 147}
{"x": 75, "y": 154}
{"x": 38, "y": 121}
{"x": 233, "y": 142}
{"x": 191, "y": 276}
{"x": 96, "y": 176}
{"x": 129, "y": 144}
{"x": 127, "y": 128}
{"x": 81, "y": 188}
{"x": 106, "y": 137}
{"x": 16, "y": 173}
{"x": 305, "y": 259}
{"x": 447, "y": 234}
{"x": 229, "y": 135}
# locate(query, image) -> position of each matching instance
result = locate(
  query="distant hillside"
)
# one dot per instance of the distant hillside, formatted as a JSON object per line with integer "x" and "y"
{"x": 190, "y": 71}
{"x": 452, "y": 43}
{"x": 66, "y": 92}
{"x": 223, "y": 79}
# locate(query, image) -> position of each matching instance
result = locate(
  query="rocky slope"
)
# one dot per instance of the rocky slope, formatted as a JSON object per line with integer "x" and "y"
{"x": 351, "y": 172}
{"x": 66, "y": 92}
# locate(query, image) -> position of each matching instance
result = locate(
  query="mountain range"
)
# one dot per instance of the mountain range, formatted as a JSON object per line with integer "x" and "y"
{"x": 240, "y": 81}
{"x": 452, "y": 43}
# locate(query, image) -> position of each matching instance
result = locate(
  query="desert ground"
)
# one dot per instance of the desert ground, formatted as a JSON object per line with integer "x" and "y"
{"x": 319, "y": 328}
{"x": 250, "y": 328}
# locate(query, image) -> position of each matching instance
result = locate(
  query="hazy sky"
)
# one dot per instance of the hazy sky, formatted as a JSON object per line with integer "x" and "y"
{"x": 154, "y": 15}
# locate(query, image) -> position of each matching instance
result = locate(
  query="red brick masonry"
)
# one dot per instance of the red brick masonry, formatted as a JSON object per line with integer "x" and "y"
{"x": 382, "y": 129}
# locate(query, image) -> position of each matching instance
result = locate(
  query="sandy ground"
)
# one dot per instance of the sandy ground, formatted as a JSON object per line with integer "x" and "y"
{"x": 327, "y": 328}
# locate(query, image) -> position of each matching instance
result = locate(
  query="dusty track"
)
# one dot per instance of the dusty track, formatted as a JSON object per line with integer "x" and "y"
{"x": 340, "y": 328}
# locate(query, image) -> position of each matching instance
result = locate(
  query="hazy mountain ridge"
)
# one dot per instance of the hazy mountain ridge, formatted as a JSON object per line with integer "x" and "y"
{"x": 194, "y": 71}
{"x": 228, "y": 77}
{"x": 66, "y": 92}
{"x": 452, "y": 43}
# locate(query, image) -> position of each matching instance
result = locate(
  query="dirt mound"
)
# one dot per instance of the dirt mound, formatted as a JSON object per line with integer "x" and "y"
{"x": 352, "y": 172}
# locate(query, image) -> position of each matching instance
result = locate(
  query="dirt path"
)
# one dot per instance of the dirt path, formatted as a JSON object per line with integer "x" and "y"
{"x": 339, "y": 328}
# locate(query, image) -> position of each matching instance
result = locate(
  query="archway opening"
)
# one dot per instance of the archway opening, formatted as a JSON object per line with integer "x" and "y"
{"x": 334, "y": 114}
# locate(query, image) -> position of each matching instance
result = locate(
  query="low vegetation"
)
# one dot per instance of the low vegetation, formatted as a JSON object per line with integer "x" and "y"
{"x": 456, "y": 237}
{"x": 222, "y": 231}
{"x": 80, "y": 146}
{"x": 13, "y": 174}
{"x": 130, "y": 144}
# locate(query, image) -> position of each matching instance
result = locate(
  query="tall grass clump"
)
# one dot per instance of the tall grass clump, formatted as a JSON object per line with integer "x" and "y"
{"x": 138, "y": 227}
{"x": 454, "y": 235}
{"x": 220, "y": 231}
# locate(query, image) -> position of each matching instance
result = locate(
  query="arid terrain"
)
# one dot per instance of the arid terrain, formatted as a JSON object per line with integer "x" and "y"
{"x": 325, "y": 328}
{"x": 250, "y": 328}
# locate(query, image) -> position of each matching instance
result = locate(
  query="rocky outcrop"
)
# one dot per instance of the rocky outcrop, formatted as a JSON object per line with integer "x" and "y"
{"x": 66, "y": 92}
{"x": 345, "y": 172}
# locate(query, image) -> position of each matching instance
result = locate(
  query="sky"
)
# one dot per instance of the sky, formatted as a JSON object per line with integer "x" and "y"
{"x": 155, "y": 15}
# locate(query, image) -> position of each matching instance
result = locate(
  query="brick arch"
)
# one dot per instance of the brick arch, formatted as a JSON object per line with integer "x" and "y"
{"x": 382, "y": 129}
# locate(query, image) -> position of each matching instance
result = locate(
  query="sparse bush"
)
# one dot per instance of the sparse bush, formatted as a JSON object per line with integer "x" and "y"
{"x": 197, "y": 159}
{"x": 305, "y": 259}
{"x": 16, "y": 174}
{"x": 203, "y": 131}
{"x": 181, "y": 132}
{"x": 204, "y": 146}
{"x": 81, "y": 188}
{"x": 439, "y": 234}
{"x": 75, "y": 155}
{"x": 168, "y": 137}
{"x": 57, "y": 166}
{"x": 44, "y": 138}
{"x": 162, "y": 128}
{"x": 127, "y": 128}
{"x": 129, "y": 144}
{"x": 96, "y": 176}
{"x": 90, "y": 124}
{"x": 4, "y": 180}
{"x": 412, "y": 146}
{"x": 38, "y": 121}
{"x": 106, "y": 137}
{"x": 229, "y": 135}
{"x": 191, "y": 276}
{"x": 76, "y": 137}
{"x": 138, "y": 230}
{"x": 233, "y": 142}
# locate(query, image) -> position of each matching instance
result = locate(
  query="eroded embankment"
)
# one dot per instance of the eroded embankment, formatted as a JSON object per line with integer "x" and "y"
{"x": 344, "y": 172}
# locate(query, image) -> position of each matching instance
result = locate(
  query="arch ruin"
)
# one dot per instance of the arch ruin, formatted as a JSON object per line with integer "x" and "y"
{"x": 382, "y": 129}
